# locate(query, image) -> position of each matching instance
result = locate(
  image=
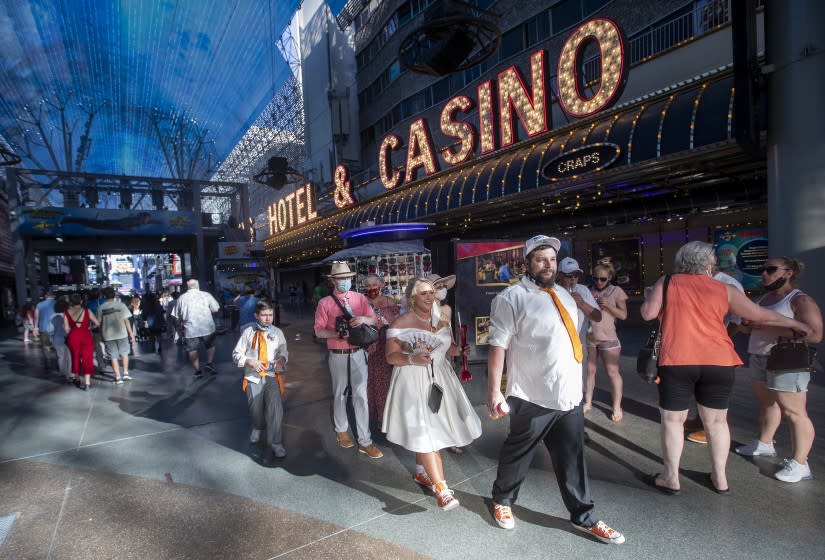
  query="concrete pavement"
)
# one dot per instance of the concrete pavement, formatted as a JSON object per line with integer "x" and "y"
{"x": 160, "y": 468}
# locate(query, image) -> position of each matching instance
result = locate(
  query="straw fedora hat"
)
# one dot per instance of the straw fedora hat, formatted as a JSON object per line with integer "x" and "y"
{"x": 446, "y": 282}
{"x": 341, "y": 270}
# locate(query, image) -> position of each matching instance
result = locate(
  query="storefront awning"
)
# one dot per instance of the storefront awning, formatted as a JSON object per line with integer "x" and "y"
{"x": 378, "y": 248}
{"x": 673, "y": 124}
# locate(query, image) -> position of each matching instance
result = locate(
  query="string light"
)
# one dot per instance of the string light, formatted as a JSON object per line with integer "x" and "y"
{"x": 485, "y": 117}
{"x": 464, "y": 131}
{"x": 390, "y": 177}
{"x": 512, "y": 94}
{"x": 608, "y": 37}
{"x": 420, "y": 151}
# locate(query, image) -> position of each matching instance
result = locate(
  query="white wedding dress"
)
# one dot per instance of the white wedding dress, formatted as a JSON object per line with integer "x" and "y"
{"x": 408, "y": 420}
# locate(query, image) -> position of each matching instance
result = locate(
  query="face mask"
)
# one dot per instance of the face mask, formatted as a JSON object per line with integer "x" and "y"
{"x": 343, "y": 285}
{"x": 441, "y": 294}
{"x": 776, "y": 284}
{"x": 372, "y": 293}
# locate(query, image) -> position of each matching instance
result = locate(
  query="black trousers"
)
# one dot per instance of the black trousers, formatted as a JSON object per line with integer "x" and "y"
{"x": 563, "y": 434}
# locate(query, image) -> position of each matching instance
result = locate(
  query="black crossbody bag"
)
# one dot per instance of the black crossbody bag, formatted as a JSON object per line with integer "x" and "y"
{"x": 647, "y": 362}
{"x": 436, "y": 393}
{"x": 362, "y": 335}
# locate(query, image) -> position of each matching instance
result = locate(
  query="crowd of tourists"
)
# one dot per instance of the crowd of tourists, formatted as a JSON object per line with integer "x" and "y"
{"x": 547, "y": 335}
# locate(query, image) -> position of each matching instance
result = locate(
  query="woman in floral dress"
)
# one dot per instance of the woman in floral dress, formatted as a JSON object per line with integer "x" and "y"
{"x": 378, "y": 370}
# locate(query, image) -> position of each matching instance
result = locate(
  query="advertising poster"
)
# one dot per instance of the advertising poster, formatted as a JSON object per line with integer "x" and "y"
{"x": 46, "y": 222}
{"x": 483, "y": 269}
{"x": 741, "y": 252}
{"x": 624, "y": 256}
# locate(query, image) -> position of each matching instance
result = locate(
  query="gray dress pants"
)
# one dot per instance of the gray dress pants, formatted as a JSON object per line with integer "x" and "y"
{"x": 266, "y": 408}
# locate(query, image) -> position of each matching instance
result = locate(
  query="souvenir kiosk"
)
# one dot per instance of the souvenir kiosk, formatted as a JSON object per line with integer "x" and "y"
{"x": 394, "y": 252}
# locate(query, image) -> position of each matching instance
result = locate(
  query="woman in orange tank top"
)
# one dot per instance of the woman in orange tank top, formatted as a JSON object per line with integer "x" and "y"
{"x": 697, "y": 358}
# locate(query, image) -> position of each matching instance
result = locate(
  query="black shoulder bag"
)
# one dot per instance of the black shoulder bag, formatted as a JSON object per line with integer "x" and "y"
{"x": 436, "y": 393}
{"x": 791, "y": 355}
{"x": 647, "y": 362}
{"x": 363, "y": 335}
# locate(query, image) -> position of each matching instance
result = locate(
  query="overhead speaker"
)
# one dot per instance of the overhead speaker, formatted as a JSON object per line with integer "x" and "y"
{"x": 455, "y": 36}
{"x": 275, "y": 172}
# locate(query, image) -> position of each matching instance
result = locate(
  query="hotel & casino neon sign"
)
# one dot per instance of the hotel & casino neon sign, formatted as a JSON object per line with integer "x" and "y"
{"x": 530, "y": 107}
{"x": 499, "y": 102}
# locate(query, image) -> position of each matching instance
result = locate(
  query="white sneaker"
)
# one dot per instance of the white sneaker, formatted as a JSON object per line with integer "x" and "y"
{"x": 793, "y": 472}
{"x": 279, "y": 450}
{"x": 127, "y": 376}
{"x": 757, "y": 448}
{"x": 255, "y": 436}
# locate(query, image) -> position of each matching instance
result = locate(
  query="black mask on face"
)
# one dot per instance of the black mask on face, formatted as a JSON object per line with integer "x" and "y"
{"x": 776, "y": 284}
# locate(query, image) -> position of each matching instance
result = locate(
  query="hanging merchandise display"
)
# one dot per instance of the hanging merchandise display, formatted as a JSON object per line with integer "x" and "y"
{"x": 395, "y": 262}
{"x": 396, "y": 269}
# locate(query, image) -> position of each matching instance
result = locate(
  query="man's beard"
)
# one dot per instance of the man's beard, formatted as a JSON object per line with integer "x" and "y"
{"x": 544, "y": 281}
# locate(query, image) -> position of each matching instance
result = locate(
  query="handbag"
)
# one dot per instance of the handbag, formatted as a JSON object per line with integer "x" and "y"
{"x": 790, "y": 355}
{"x": 436, "y": 394}
{"x": 363, "y": 335}
{"x": 647, "y": 362}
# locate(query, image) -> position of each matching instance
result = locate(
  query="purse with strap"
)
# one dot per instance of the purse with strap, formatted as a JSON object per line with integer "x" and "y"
{"x": 436, "y": 393}
{"x": 647, "y": 362}
{"x": 790, "y": 355}
{"x": 363, "y": 335}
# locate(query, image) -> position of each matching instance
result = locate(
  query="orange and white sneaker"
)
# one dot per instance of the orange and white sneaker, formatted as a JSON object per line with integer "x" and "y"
{"x": 504, "y": 516}
{"x": 601, "y": 531}
{"x": 424, "y": 480}
{"x": 444, "y": 497}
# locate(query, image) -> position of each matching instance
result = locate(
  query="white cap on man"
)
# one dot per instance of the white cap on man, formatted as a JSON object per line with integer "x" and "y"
{"x": 540, "y": 241}
{"x": 569, "y": 265}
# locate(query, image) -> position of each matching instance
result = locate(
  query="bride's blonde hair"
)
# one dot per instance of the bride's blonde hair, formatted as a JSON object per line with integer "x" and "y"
{"x": 412, "y": 288}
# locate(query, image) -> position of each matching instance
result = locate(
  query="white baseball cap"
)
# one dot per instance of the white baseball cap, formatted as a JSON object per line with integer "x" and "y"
{"x": 540, "y": 241}
{"x": 569, "y": 265}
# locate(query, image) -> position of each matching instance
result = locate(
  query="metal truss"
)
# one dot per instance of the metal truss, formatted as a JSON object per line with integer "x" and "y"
{"x": 278, "y": 131}
{"x": 41, "y": 189}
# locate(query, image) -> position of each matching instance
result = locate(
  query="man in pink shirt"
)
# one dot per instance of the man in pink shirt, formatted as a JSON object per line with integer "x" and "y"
{"x": 347, "y": 363}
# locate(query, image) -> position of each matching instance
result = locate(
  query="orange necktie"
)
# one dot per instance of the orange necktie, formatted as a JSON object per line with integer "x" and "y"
{"x": 259, "y": 340}
{"x": 568, "y": 324}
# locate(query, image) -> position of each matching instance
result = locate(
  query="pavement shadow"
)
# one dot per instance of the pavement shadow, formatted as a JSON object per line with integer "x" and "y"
{"x": 307, "y": 456}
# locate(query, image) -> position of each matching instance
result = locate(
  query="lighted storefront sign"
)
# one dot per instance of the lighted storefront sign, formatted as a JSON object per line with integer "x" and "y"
{"x": 342, "y": 195}
{"x": 295, "y": 209}
{"x": 499, "y": 103}
{"x": 230, "y": 250}
{"x": 503, "y": 100}
{"x": 586, "y": 159}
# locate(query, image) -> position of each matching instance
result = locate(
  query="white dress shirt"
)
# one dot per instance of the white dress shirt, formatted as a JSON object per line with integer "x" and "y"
{"x": 540, "y": 365}
{"x": 275, "y": 347}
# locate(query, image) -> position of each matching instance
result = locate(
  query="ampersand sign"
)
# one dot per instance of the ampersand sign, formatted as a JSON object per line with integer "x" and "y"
{"x": 342, "y": 195}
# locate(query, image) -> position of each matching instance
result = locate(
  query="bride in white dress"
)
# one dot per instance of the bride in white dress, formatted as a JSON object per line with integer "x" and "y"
{"x": 408, "y": 420}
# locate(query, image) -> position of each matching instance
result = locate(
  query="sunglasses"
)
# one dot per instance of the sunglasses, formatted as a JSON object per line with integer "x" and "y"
{"x": 571, "y": 274}
{"x": 770, "y": 269}
{"x": 601, "y": 278}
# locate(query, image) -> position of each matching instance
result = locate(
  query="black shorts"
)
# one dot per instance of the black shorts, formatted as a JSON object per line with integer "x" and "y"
{"x": 191, "y": 344}
{"x": 711, "y": 385}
